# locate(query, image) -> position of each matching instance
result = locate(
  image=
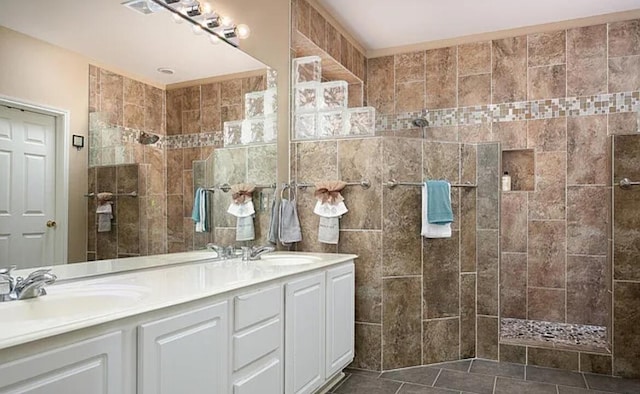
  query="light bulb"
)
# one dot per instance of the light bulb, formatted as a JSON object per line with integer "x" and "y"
{"x": 243, "y": 31}
{"x": 215, "y": 40}
{"x": 197, "y": 29}
{"x": 206, "y": 8}
{"x": 225, "y": 21}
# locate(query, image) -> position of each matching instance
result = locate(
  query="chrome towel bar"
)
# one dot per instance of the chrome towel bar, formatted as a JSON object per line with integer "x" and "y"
{"x": 393, "y": 183}
{"x": 626, "y": 183}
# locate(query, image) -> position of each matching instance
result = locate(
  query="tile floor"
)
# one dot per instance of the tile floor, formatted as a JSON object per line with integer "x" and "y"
{"x": 481, "y": 377}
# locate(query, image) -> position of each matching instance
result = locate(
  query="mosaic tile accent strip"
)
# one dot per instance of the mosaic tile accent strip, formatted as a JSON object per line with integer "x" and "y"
{"x": 527, "y": 331}
{"x": 198, "y": 140}
{"x": 524, "y": 110}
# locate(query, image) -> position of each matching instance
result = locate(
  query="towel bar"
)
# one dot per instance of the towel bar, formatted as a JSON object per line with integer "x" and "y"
{"x": 365, "y": 184}
{"x": 626, "y": 183}
{"x": 226, "y": 187}
{"x": 132, "y": 194}
{"x": 393, "y": 183}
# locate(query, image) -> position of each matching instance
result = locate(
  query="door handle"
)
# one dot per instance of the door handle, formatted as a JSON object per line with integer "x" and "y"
{"x": 51, "y": 223}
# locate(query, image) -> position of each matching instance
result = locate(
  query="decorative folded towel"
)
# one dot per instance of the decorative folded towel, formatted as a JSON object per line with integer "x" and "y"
{"x": 242, "y": 192}
{"x": 439, "y": 202}
{"x": 330, "y": 207}
{"x": 104, "y": 197}
{"x": 199, "y": 211}
{"x": 243, "y": 209}
{"x": 329, "y": 192}
{"x": 105, "y": 214}
{"x": 430, "y": 230}
{"x": 289, "y": 230}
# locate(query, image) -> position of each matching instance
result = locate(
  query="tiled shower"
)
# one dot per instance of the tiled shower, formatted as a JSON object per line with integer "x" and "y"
{"x": 554, "y": 249}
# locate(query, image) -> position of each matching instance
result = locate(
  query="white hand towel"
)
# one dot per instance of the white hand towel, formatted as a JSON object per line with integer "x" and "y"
{"x": 245, "y": 229}
{"x": 329, "y": 230}
{"x": 201, "y": 225}
{"x": 430, "y": 230}
{"x": 105, "y": 214}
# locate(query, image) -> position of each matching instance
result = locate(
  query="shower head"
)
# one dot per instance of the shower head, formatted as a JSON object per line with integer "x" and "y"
{"x": 148, "y": 138}
{"x": 420, "y": 122}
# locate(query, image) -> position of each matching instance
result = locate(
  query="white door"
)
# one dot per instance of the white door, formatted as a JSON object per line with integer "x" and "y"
{"x": 27, "y": 188}
{"x": 340, "y": 318}
{"x": 93, "y": 366}
{"x": 304, "y": 334}
{"x": 185, "y": 353}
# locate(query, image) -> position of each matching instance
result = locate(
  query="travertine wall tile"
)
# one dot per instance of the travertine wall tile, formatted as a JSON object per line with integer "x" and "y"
{"x": 513, "y": 219}
{"x": 587, "y": 60}
{"x": 474, "y": 90}
{"x": 368, "y": 246}
{"x": 441, "y": 277}
{"x": 549, "y": 199}
{"x": 381, "y": 85}
{"x": 441, "y": 78}
{"x": 474, "y": 58}
{"x": 409, "y": 67}
{"x": 624, "y": 38}
{"x": 488, "y": 257}
{"x": 401, "y": 322}
{"x": 626, "y": 335}
{"x": 513, "y": 284}
{"x": 624, "y": 74}
{"x": 488, "y": 334}
{"x": 587, "y": 150}
{"x": 546, "y": 304}
{"x": 587, "y": 290}
{"x": 442, "y": 342}
{"x": 467, "y": 316}
{"x": 547, "y": 48}
{"x": 547, "y": 82}
{"x": 368, "y": 348}
{"x": 588, "y": 220}
{"x": 546, "y": 249}
{"x": 509, "y": 77}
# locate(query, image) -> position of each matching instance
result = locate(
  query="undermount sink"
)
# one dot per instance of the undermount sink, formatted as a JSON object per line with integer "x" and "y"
{"x": 63, "y": 302}
{"x": 289, "y": 259}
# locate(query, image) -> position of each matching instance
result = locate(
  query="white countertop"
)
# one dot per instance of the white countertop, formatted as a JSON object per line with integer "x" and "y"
{"x": 115, "y": 294}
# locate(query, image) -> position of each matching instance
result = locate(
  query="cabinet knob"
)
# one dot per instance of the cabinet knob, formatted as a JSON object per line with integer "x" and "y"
{"x": 51, "y": 223}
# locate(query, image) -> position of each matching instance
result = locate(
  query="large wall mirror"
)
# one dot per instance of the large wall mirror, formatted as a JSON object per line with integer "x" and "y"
{"x": 164, "y": 111}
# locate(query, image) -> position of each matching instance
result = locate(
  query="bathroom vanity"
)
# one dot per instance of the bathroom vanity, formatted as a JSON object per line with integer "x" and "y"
{"x": 283, "y": 324}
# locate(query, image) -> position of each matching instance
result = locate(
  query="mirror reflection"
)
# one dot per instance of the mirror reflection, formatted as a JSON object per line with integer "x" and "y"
{"x": 166, "y": 112}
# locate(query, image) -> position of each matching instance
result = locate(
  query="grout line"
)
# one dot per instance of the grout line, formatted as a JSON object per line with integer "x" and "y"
{"x": 585, "y": 379}
{"x": 495, "y": 383}
{"x": 399, "y": 388}
{"x": 436, "y": 379}
{"x": 557, "y": 389}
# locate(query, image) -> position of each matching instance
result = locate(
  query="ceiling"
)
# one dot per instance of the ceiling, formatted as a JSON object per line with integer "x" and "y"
{"x": 113, "y": 35}
{"x": 379, "y": 24}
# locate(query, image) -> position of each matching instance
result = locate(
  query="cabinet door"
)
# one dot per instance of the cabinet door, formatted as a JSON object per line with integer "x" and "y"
{"x": 304, "y": 334}
{"x": 185, "y": 353}
{"x": 92, "y": 366}
{"x": 340, "y": 318}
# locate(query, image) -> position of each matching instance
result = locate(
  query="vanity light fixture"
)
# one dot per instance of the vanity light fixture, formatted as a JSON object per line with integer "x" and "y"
{"x": 204, "y": 18}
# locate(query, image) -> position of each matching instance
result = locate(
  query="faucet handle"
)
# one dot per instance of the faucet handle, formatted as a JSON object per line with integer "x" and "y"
{"x": 7, "y": 270}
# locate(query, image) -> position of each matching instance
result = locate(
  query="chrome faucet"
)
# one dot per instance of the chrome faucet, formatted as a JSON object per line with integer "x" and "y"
{"x": 224, "y": 252}
{"x": 19, "y": 288}
{"x": 254, "y": 253}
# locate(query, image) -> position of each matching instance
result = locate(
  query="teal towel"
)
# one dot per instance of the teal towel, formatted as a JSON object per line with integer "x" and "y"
{"x": 439, "y": 202}
{"x": 195, "y": 212}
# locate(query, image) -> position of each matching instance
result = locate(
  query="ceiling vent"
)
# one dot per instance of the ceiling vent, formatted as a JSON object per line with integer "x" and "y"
{"x": 144, "y": 7}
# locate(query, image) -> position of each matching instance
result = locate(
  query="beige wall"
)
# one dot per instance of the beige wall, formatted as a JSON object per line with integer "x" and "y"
{"x": 40, "y": 73}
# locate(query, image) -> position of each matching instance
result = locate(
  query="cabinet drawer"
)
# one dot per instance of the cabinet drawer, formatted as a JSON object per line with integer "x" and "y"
{"x": 255, "y": 343}
{"x": 265, "y": 380}
{"x": 255, "y": 307}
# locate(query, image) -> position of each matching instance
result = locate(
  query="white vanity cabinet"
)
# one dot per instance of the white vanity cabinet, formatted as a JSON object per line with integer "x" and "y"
{"x": 257, "y": 341}
{"x": 185, "y": 353}
{"x": 340, "y": 318}
{"x": 90, "y": 366}
{"x": 319, "y": 328}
